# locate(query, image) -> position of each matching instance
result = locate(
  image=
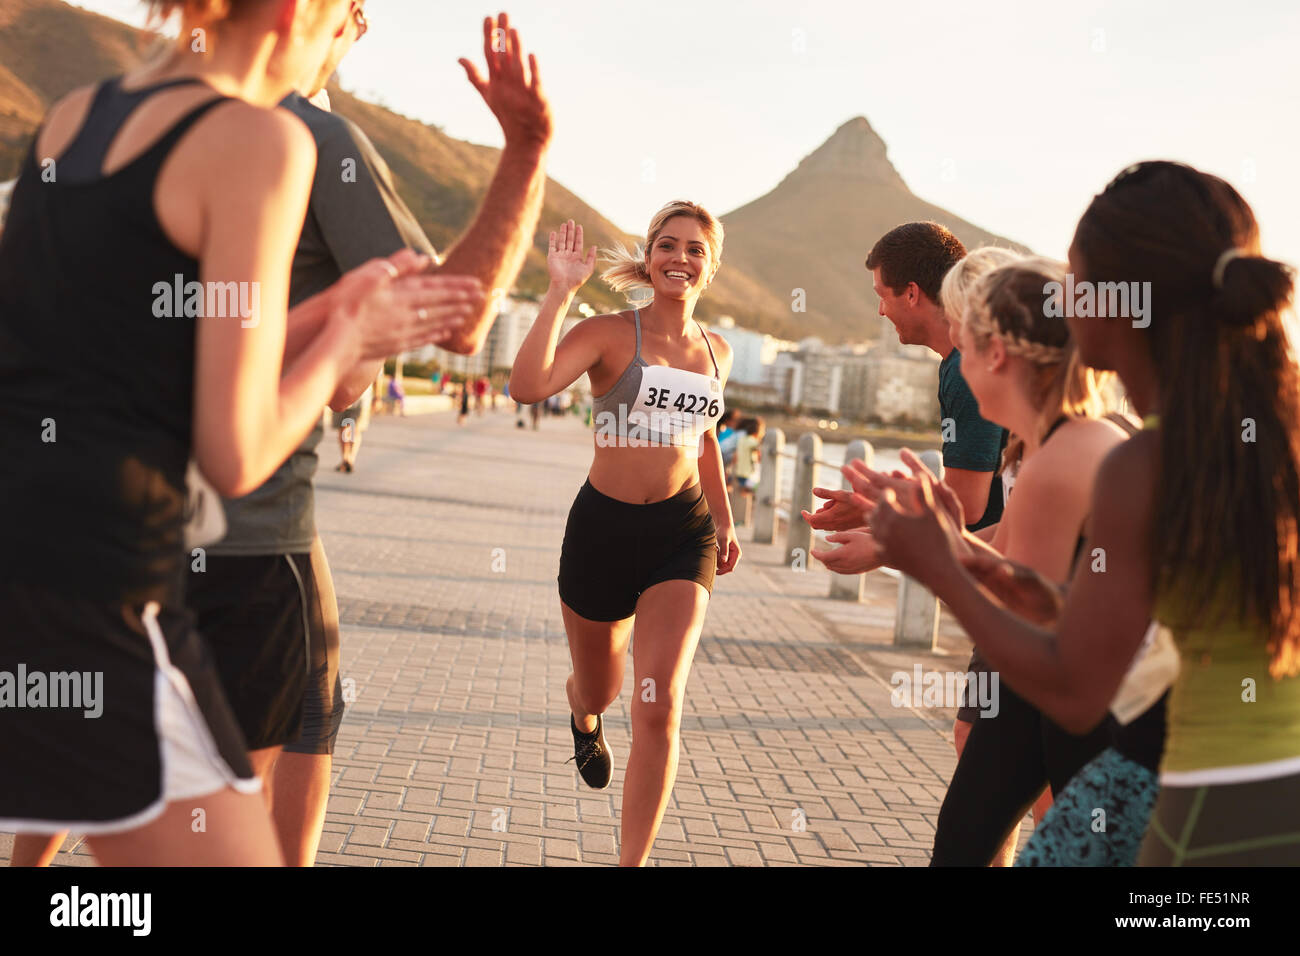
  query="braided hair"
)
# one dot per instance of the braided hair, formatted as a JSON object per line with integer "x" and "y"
{"x": 1014, "y": 304}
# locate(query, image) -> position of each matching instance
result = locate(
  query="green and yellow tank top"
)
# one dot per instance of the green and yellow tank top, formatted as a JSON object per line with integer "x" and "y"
{"x": 1228, "y": 720}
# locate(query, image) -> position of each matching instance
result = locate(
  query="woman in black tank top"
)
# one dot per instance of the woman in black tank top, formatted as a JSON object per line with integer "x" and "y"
{"x": 139, "y": 209}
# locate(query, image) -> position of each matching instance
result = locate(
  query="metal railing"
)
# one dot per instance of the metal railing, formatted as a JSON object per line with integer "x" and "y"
{"x": 916, "y": 622}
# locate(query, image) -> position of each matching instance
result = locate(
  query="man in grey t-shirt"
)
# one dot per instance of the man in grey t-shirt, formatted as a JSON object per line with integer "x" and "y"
{"x": 265, "y": 601}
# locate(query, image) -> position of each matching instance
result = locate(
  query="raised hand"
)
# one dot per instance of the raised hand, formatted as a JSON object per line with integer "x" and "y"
{"x": 1022, "y": 590}
{"x": 568, "y": 266}
{"x": 858, "y": 552}
{"x": 392, "y": 305}
{"x": 513, "y": 94}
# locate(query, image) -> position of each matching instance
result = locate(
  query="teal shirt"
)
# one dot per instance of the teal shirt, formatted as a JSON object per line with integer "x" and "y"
{"x": 976, "y": 444}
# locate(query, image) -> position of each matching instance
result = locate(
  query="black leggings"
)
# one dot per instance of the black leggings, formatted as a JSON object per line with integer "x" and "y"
{"x": 1007, "y": 761}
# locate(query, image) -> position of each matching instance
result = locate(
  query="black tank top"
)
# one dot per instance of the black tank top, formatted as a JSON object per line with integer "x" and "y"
{"x": 97, "y": 389}
{"x": 1143, "y": 740}
{"x": 1078, "y": 544}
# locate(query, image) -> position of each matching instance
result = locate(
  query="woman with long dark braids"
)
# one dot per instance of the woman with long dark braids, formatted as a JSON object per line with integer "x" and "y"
{"x": 1195, "y": 523}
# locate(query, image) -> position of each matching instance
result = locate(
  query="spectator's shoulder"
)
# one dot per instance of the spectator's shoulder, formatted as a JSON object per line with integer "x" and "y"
{"x": 335, "y": 135}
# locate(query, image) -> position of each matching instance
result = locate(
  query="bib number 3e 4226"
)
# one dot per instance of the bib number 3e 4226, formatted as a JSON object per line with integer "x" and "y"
{"x": 685, "y": 402}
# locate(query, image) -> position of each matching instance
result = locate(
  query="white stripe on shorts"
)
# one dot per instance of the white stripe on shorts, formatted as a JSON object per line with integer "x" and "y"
{"x": 192, "y": 765}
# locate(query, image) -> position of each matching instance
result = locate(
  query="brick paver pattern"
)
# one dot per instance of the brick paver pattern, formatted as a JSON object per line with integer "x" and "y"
{"x": 444, "y": 545}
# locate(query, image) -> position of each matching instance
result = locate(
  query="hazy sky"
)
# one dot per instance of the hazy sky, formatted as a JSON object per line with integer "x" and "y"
{"x": 1009, "y": 113}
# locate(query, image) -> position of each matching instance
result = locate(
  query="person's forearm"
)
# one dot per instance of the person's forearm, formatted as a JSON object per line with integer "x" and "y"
{"x": 278, "y": 427}
{"x": 976, "y": 541}
{"x": 530, "y": 376}
{"x": 305, "y": 322}
{"x": 494, "y": 247}
{"x": 354, "y": 384}
{"x": 1025, "y": 656}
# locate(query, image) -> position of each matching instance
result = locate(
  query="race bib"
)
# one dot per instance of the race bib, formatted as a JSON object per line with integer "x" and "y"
{"x": 675, "y": 404}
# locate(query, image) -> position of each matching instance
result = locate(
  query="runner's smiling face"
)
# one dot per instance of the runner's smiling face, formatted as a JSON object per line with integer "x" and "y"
{"x": 680, "y": 263}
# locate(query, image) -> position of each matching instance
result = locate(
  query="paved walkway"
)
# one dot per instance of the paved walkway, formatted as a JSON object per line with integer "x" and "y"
{"x": 445, "y": 545}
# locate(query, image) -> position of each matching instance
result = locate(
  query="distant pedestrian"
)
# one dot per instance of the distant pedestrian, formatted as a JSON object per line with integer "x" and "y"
{"x": 397, "y": 395}
{"x": 727, "y": 437}
{"x": 745, "y": 466}
{"x": 351, "y": 423}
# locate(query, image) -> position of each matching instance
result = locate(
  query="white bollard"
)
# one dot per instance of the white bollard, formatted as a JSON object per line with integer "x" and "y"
{"x": 916, "y": 623}
{"x": 768, "y": 492}
{"x": 849, "y": 587}
{"x": 799, "y": 537}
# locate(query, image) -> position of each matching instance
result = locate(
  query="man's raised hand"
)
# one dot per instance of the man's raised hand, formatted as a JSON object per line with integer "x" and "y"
{"x": 512, "y": 91}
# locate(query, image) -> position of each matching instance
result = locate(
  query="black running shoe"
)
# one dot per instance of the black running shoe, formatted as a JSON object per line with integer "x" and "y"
{"x": 592, "y": 756}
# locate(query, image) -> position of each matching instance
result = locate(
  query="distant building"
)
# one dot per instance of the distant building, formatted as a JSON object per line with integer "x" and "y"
{"x": 502, "y": 345}
{"x": 886, "y": 382}
{"x": 751, "y": 352}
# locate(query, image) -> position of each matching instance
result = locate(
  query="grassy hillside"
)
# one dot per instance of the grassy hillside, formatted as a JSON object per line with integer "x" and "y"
{"x": 811, "y": 232}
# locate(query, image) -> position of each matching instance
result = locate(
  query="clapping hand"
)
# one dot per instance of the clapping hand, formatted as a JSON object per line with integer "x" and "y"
{"x": 857, "y": 553}
{"x": 842, "y": 512}
{"x": 839, "y": 513}
{"x": 392, "y": 305}
{"x": 914, "y": 532}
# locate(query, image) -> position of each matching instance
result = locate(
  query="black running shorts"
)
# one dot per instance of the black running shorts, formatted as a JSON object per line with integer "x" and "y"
{"x": 107, "y": 714}
{"x": 614, "y": 550}
{"x": 322, "y": 705}
{"x": 266, "y": 622}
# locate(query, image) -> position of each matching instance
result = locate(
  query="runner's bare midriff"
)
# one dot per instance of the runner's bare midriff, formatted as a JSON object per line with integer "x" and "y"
{"x": 642, "y": 476}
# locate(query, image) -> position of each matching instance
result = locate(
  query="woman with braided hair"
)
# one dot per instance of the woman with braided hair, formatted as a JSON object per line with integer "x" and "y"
{"x": 1196, "y": 518}
{"x": 1020, "y": 365}
{"x": 1022, "y": 368}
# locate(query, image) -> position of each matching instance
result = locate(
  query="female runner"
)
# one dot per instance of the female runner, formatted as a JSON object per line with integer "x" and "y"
{"x": 652, "y": 524}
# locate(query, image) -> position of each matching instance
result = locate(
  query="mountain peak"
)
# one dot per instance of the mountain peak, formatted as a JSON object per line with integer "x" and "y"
{"x": 854, "y": 151}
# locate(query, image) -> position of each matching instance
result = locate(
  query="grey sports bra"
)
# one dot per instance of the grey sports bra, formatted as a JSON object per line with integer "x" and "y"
{"x": 658, "y": 404}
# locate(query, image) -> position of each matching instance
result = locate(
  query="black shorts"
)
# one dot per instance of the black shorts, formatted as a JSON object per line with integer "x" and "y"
{"x": 276, "y": 647}
{"x": 969, "y": 712}
{"x": 614, "y": 550}
{"x": 127, "y": 714}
